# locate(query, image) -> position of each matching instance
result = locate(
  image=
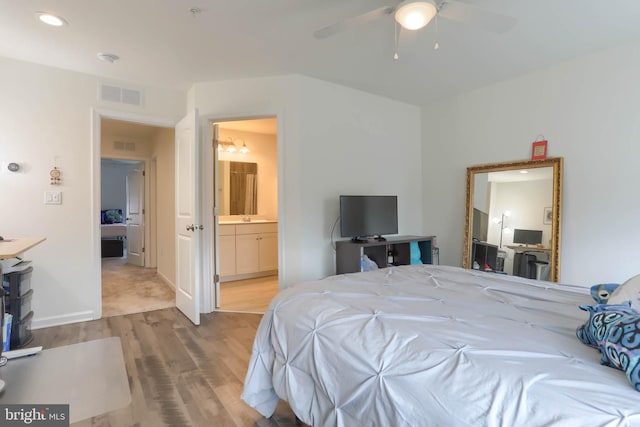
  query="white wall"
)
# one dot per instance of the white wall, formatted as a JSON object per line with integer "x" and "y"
{"x": 46, "y": 113}
{"x": 588, "y": 110}
{"x": 164, "y": 152}
{"x": 332, "y": 140}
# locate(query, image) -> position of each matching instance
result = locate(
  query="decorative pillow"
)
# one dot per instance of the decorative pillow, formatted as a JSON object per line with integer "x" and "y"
{"x": 603, "y": 291}
{"x": 601, "y": 317}
{"x": 111, "y": 216}
{"x": 628, "y": 291}
{"x": 614, "y": 329}
{"x": 622, "y": 347}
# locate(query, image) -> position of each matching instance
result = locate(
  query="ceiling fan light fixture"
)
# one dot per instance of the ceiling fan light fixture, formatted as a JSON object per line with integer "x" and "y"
{"x": 415, "y": 15}
{"x": 51, "y": 19}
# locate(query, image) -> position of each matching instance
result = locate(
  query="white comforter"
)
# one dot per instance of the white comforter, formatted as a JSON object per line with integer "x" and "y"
{"x": 434, "y": 346}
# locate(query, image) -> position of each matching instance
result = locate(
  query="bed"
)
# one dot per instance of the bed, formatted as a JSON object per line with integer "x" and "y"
{"x": 424, "y": 345}
{"x": 112, "y": 225}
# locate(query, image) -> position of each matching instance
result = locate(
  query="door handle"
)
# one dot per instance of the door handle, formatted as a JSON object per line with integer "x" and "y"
{"x": 191, "y": 227}
{"x": 201, "y": 227}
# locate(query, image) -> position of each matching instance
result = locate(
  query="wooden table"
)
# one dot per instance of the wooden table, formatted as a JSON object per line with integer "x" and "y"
{"x": 11, "y": 248}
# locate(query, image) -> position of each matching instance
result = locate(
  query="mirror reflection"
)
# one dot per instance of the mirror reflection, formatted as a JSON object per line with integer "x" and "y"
{"x": 238, "y": 187}
{"x": 513, "y": 219}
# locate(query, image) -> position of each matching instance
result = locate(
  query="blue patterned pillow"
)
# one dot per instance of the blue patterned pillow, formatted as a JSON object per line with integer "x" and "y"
{"x": 603, "y": 291}
{"x": 614, "y": 329}
{"x": 111, "y": 216}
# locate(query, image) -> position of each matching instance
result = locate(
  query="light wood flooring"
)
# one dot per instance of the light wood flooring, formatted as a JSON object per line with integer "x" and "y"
{"x": 179, "y": 374}
{"x": 248, "y": 296}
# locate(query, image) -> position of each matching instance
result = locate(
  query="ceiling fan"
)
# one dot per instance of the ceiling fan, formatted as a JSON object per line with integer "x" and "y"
{"x": 413, "y": 15}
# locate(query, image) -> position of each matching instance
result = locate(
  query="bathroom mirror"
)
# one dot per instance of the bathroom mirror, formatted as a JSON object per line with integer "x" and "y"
{"x": 512, "y": 217}
{"x": 238, "y": 188}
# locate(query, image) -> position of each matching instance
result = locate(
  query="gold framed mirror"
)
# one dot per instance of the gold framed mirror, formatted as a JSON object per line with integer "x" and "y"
{"x": 513, "y": 216}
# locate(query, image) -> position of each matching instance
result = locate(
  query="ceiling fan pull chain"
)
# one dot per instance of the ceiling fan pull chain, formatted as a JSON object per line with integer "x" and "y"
{"x": 395, "y": 41}
{"x": 436, "y": 45}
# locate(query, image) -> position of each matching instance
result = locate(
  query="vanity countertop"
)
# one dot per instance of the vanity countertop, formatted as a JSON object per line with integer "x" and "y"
{"x": 241, "y": 222}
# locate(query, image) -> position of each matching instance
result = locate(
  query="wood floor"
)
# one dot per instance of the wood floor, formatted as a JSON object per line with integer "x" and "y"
{"x": 179, "y": 374}
{"x": 248, "y": 296}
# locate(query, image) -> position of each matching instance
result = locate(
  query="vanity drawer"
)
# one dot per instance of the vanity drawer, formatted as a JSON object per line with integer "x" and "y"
{"x": 270, "y": 227}
{"x": 227, "y": 230}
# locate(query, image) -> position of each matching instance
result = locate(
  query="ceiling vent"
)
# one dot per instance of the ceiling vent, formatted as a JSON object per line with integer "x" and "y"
{"x": 120, "y": 95}
{"x": 124, "y": 146}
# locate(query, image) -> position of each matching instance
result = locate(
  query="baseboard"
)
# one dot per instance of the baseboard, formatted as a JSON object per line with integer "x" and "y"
{"x": 167, "y": 281}
{"x": 248, "y": 276}
{"x": 45, "y": 322}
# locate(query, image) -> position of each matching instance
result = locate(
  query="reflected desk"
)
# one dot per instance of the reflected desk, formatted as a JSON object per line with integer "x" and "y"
{"x": 527, "y": 264}
{"x": 524, "y": 248}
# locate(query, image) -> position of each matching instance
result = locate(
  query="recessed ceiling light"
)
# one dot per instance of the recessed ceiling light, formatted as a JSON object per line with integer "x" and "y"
{"x": 108, "y": 57}
{"x": 51, "y": 19}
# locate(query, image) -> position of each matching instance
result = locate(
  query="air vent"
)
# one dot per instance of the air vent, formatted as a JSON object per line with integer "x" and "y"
{"x": 120, "y": 95}
{"x": 124, "y": 146}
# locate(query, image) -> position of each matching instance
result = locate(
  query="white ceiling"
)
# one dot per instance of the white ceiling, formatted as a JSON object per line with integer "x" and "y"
{"x": 162, "y": 43}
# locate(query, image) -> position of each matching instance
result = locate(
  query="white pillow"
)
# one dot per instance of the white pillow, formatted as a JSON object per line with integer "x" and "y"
{"x": 628, "y": 291}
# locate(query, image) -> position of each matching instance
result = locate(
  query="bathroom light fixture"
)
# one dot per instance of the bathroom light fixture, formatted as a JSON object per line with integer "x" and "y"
{"x": 51, "y": 19}
{"x": 415, "y": 15}
{"x": 244, "y": 149}
{"x": 229, "y": 146}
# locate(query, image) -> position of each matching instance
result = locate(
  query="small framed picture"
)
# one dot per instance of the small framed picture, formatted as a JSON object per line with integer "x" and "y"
{"x": 548, "y": 215}
{"x": 539, "y": 150}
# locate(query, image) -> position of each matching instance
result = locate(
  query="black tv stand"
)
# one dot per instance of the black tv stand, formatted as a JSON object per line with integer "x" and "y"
{"x": 349, "y": 253}
{"x": 379, "y": 238}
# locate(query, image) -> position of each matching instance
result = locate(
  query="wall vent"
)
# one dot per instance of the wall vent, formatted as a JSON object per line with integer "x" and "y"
{"x": 120, "y": 95}
{"x": 124, "y": 146}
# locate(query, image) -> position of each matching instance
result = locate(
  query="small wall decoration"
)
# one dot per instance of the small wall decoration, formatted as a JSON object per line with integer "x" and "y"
{"x": 55, "y": 176}
{"x": 539, "y": 150}
{"x": 548, "y": 214}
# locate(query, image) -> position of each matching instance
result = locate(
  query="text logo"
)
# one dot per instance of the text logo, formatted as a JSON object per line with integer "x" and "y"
{"x": 34, "y": 415}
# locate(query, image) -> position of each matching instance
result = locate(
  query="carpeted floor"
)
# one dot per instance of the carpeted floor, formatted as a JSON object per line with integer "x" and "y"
{"x": 130, "y": 289}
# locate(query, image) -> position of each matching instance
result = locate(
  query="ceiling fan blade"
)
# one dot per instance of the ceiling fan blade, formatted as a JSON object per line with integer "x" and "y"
{"x": 463, "y": 11}
{"x": 338, "y": 27}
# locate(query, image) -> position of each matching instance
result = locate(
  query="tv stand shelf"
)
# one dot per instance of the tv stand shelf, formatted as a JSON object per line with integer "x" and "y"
{"x": 350, "y": 253}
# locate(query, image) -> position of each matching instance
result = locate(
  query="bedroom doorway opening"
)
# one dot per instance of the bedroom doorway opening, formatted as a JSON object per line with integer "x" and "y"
{"x": 137, "y": 246}
{"x": 245, "y": 183}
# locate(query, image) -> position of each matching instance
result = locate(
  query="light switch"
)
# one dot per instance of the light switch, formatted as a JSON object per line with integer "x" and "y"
{"x": 52, "y": 197}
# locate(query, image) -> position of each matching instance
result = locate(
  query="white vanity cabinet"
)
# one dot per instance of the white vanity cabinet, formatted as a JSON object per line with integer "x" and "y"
{"x": 227, "y": 248}
{"x": 251, "y": 251}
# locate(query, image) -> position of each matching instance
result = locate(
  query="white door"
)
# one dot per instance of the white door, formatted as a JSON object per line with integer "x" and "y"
{"x": 187, "y": 216}
{"x": 135, "y": 215}
{"x": 219, "y": 268}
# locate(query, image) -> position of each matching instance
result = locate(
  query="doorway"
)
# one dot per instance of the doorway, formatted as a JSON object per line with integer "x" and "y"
{"x": 137, "y": 249}
{"x": 246, "y": 195}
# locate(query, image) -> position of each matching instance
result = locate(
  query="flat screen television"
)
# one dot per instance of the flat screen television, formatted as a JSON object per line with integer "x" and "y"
{"x": 362, "y": 217}
{"x": 527, "y": 237}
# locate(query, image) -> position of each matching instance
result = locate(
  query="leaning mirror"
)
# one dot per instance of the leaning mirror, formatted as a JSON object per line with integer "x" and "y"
{"x": 238, "y": 187}
{"x": 512, "y": 218}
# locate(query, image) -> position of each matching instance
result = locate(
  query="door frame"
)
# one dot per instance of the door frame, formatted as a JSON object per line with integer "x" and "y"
{"x": 97, "y": 115}
{"x": 210, "y": 295}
